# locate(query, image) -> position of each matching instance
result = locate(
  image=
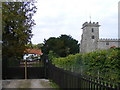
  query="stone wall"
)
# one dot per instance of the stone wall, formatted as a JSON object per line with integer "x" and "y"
{"x": 89, "y": 44}
{"x": 107, "y": 43}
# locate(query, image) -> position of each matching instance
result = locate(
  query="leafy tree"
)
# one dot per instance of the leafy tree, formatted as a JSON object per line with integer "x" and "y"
{"x": 52, "y": 55}
{"x": 17, "y": 26}
{"x": 39, "y": 45}
{"x": 62, "y": 46}
{"x": 34, "y": 46}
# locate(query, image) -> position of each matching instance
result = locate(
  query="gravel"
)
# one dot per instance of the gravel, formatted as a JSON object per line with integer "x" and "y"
{"x": 29, "y": 83}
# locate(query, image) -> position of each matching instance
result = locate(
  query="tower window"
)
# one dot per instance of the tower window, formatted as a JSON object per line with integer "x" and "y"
{"x": 92, "y": 29}
{"x": 107, "y": 43}
{"x": 93, "y": 37}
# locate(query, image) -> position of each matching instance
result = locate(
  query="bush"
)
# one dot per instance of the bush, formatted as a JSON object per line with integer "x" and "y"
{"x": 101, "y": 63}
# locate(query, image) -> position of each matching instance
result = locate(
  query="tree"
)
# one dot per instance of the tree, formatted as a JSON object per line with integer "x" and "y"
{"x": 62, "y": 46}
{"x": 17, "y": 26}
{"x": 34, "y": 46}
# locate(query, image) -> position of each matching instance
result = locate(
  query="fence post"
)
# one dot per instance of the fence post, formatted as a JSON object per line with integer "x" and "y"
{"x": 25, "y": 69}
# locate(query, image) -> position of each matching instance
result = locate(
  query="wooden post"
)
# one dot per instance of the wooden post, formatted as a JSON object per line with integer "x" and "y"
{"x": 25, "y": 69}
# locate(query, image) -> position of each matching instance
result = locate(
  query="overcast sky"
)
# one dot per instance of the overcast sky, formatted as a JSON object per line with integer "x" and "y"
{"x": 56, "y": 17}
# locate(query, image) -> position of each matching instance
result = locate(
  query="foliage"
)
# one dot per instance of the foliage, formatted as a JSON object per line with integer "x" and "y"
{"x": 52, "y": 55}
{"x": 17, "y": 26}
{"x": 102, "y": 63}
{"x": 34, "y": 46}
{"x": 11, "y": 63}
{"x": 54, "y": 85}
{"x": 69, "y": 62}
{"x": 62, "y": 46}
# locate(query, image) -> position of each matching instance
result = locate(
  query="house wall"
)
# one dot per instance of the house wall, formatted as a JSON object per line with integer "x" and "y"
{"x": 29, "y": 55}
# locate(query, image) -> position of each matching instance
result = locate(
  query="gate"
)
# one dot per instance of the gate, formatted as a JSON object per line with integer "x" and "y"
{"x": 36, "y": 72}
{"x": 19, "y": 72}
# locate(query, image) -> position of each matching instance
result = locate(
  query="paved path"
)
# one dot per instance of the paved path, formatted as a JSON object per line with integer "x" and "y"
{"x": 29, "y": 83}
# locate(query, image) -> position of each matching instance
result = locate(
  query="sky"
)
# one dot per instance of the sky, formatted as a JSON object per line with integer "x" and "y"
{"x": 56, "y": 17}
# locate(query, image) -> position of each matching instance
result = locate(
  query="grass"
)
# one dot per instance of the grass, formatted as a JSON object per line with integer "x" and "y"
{"x": 54, "y": 85}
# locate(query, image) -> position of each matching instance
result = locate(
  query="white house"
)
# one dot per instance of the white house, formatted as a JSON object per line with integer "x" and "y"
{"x": 32, "y": 54}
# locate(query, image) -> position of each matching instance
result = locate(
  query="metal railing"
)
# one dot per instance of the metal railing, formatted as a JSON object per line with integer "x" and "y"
{"x": 67, "y": 79}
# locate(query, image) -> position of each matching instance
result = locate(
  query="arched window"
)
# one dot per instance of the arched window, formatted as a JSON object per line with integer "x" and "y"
{"x": 93, "y": 37}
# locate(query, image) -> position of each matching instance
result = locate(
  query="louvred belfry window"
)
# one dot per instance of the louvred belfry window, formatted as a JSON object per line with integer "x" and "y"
{"x": 93, "y": 37}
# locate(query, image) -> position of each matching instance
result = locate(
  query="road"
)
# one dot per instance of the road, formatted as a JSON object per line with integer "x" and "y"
{"x": 29, "y": 83}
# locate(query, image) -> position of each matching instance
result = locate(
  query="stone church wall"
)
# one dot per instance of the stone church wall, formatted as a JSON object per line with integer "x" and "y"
{"x": 107, "y": 43}
{"x": 90, "y": 39}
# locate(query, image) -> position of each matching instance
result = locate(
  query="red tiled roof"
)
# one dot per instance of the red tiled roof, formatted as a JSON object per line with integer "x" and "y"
{"x": 33, "y": 51}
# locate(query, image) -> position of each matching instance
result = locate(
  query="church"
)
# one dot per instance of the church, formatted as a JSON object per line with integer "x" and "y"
{"x": 90, "y": 39}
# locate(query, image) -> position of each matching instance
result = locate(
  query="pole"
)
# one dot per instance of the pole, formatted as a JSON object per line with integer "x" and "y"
{"x": 25, "y": 69}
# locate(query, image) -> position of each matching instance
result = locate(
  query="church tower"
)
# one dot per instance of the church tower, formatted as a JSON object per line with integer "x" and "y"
{"x": 90, "y": 36}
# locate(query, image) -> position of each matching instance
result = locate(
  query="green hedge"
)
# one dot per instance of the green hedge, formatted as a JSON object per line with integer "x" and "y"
{"x": 102, "y": 63}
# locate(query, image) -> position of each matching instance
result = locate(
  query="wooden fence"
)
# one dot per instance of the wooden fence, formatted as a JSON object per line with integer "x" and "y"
{"x": 67, "y": 79}
{"x": 19, "y": 73}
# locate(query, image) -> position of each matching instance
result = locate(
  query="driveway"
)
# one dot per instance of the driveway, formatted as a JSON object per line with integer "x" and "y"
{"x": 29, "y": 83}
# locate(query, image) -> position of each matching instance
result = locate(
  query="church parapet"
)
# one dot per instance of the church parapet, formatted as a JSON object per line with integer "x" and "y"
{"x": 108, "y": 39}
{"x": 96, "y": 24}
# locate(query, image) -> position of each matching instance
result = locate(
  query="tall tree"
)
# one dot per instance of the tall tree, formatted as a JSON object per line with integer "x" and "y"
{"x": 62, "y": 46}
{"x": 34, "y": 46}
{"x": 17, "y": 26}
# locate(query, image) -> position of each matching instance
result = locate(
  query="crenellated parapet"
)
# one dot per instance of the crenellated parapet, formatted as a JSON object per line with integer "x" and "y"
{"x": 109, "y": 39}
{"x": 95, "y": 24}
{"x": 90, "y": 40}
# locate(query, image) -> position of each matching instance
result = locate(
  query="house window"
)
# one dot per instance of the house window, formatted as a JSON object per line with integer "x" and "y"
{"x": 92, "y": 29}
{"x": 107, "y": 43}
{"x": 93, "y": 37}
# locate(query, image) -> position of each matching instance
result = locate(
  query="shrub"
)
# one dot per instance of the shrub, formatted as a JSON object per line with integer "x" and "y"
{"x": 100, "y": 63}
